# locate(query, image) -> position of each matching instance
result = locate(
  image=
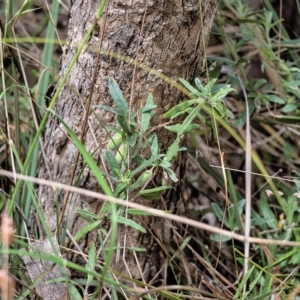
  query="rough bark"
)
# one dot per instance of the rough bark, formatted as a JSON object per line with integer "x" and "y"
{"x": 171, "y": 42}
{"x": 44, "y": 272}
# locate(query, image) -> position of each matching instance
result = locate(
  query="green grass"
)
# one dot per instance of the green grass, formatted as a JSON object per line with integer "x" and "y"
{"x": 213, "y": 117}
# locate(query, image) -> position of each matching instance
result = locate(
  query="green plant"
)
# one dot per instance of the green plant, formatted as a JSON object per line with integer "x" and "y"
{"x": 211, "y": 95}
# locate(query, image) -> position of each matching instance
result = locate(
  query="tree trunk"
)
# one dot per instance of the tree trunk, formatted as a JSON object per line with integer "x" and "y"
{"x": 165, "y": 35}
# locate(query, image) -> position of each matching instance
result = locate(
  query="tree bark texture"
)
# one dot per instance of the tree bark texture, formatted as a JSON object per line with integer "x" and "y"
{"x": 170, "y": 40}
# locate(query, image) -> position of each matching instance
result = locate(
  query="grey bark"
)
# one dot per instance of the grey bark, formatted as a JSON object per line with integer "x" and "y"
{"x": 43, "y": 272}
{"x": 171, "y": 42}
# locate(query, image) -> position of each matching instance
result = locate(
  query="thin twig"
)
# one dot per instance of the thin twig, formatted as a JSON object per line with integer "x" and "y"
{"x": 248, "y": 185}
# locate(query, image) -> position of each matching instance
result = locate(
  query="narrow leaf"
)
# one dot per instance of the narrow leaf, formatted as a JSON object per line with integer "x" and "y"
{"x": 173, "y": 149}
{"x": 219, "y": 238}
{"x": 85, "y": 230}
{"x": 87, "y": 215}
{"x": 189, "y": 119}
{"x": 289, "y": 108}
{"x": 179, "y": 109}
{"x": 199, "y": 84}
{"x": 117, "y": 96}
{"x": 73, "y": 292}
{"x": 176, "y": 128}
{"x": 111, "y": 160}
{"x": 90, "y": 266}
{"x": 154, "y": 145}
{"x": 131, "y": 139}
{"x": 145, "y": 164}
{"x": 154, "y": 194}
{"x": 181, "y": 248}
{"x": 171, "y": 174}
{"x": 190, "y": 87}
{"x": 276, "y": 99}
{"x": 146, "y": 114}
{"x": 131, "y": 224}
{"x": 123, "y": 120}
{"x": 148, "y": 107}
{"x": 138, "y": 212}
{"x": 220, "y": 214}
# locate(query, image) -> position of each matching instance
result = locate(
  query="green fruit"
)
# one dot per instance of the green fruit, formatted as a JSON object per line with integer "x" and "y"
{"x": 115, "y": 141}
{"x": 121, "y": 153}
{"x": 141, "y": 180}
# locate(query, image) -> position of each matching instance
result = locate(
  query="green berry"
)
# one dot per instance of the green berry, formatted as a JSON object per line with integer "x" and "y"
{"x": 115, "y": 141}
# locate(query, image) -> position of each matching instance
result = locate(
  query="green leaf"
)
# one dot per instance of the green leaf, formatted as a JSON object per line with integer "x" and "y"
{"x": 123, "y": 120}
{"x": 173, "y": 149}
{"x": 268, "y": 214}
{"x": 176, "y": 128}
{"x": 85, "y": 230}
{"x": 201, "y": 119}
{"x": 131, "y": 224}
{"x": 219, "y": 87}
{"x": 214, "y": 124}
{"x": 219, "y": 238}
{"x": 244, "y": 281}
{"x": 115, "y": 129}
{"x": 276, "y": 99}
{"x": 289, "y": 108}
{"x": 154, "y": 145}
{"x": 165, "y": 163}
{"x": 209, "y": 86}
{"x": 147, "y": 113}
{"x": 220, "y": 214}
{"x": 139, "y": 160}
{"x": 148, "y": 107}
{"x": 171, "y": 174}
{"x": 117, "y": 96}
{"x": 240, "y": 206}
{"x": 24, "y": 8}
{"x": 111, "y": 160}
{"x": 181, "y": 248}
{"x": 137, "y": 249}
{"x": 221, "y": 59}
{"x": 138, "y": 212}
{"x": 120, "y": 188}
{"x": 190, "y": 87}
{"x": 73, "y": 292}
{"x": 131, "y": 139}
{"x": 179, "y": 109}
{"x": 146, "y": 164}
{"x": 155, "y": 193}
{"x": 229, "y": 114}
{"x": 87, "y": 215}
{"x": 182, "y": 149}
{"x": 221, "y": 94}
{"x": 189, "y": 119}
{"x": 257, "y": 84}
{"x": 199, "y": 84}
{"x": 90, "y": 266}
{"x": 221, "y": 108}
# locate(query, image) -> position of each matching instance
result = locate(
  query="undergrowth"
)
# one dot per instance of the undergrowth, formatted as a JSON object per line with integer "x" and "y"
{"x": 214, "y": 117}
